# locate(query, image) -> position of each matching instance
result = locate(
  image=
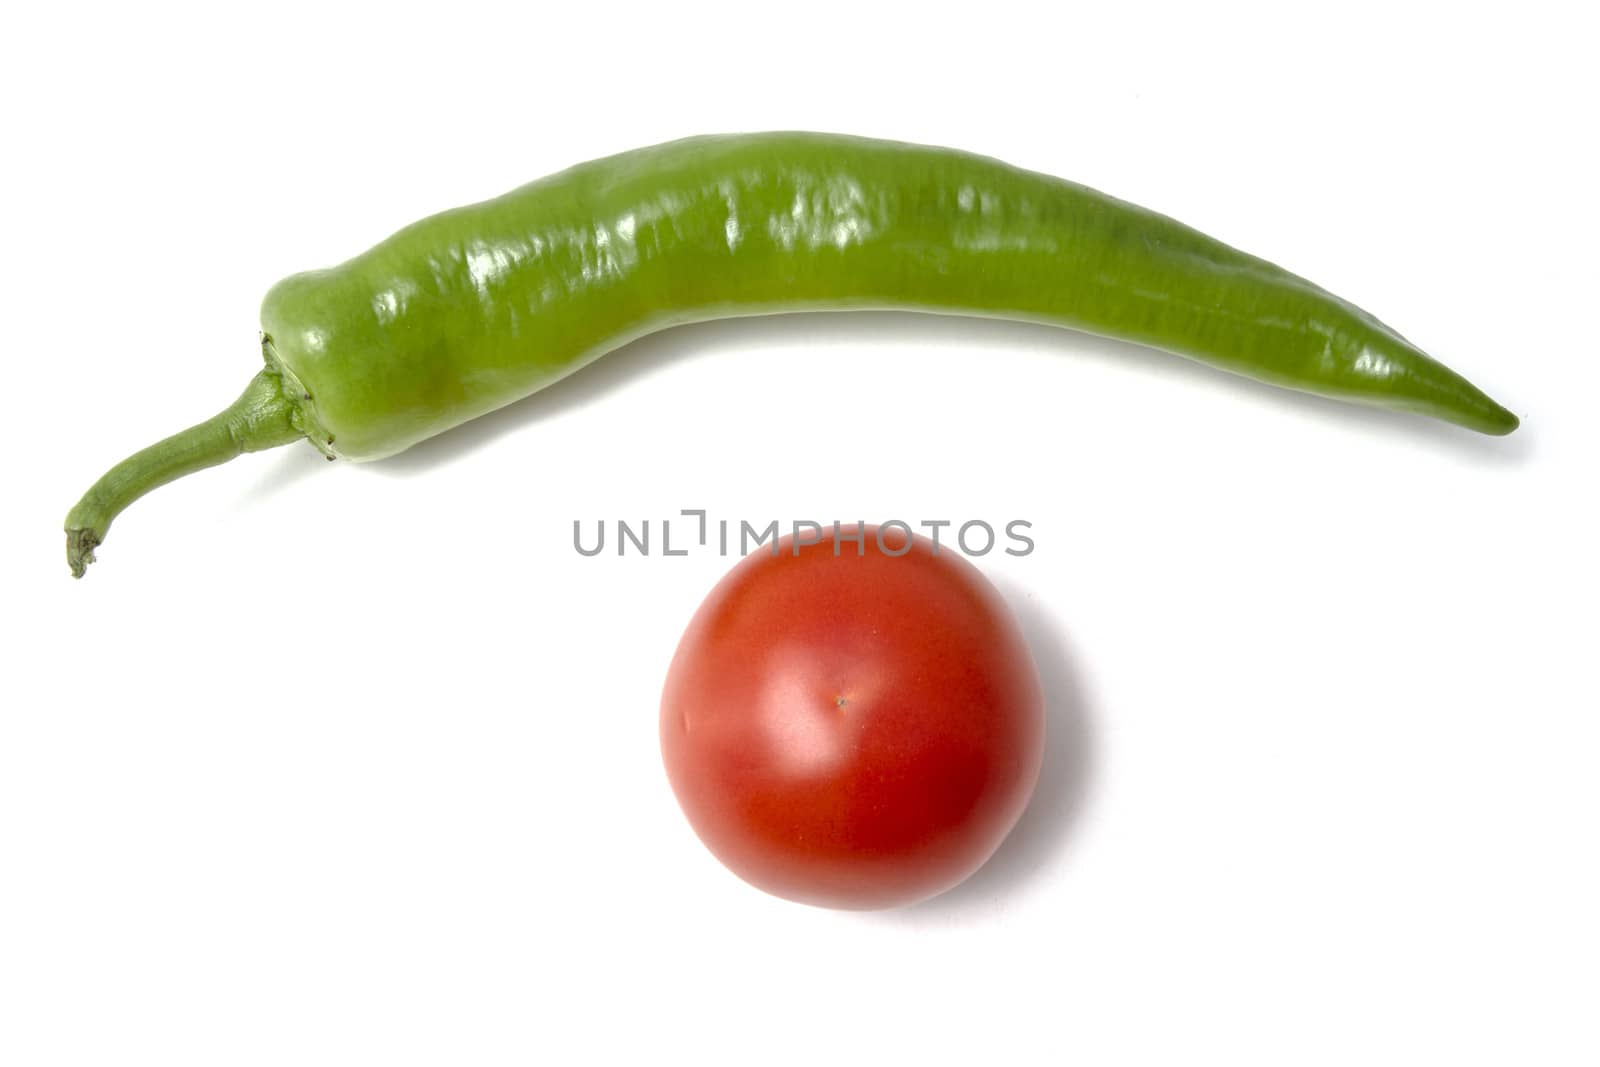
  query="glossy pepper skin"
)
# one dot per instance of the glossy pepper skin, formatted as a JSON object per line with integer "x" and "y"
{"x": 475, "y": 308}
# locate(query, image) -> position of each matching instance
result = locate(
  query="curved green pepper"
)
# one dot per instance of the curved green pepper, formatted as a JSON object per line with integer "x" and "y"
{"x": 475, "y": 308}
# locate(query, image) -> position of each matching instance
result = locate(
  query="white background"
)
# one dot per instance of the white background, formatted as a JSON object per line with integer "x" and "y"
{"x": 332, "y": 764}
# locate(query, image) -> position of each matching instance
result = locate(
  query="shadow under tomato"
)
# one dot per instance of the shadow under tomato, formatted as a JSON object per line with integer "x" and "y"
{"x": 1061, "y": 797}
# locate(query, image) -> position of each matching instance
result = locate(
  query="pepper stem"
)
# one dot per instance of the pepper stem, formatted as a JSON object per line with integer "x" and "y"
{"x": 262, "y": 417}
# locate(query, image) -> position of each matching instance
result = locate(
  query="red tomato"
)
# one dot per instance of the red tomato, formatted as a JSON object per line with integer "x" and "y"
{"x": 853, "y": 731}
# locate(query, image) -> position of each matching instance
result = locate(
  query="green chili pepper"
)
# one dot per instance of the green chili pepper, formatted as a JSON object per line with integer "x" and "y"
{"x": 475, "y": 308}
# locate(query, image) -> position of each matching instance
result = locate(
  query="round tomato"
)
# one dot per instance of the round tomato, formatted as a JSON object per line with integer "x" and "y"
{"x": 853, "y": 724}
